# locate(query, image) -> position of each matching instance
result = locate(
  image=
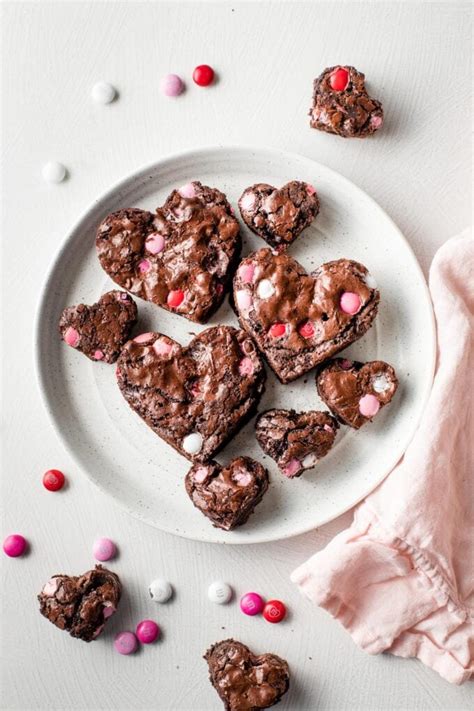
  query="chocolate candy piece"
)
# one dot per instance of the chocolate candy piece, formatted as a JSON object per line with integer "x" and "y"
{"x": 279, "y": 215}
{"x": 196, "y": 396}
{"x": 296, "y": 441}
{"x": 244, "y": 681}
{"x": 227, "y": 495}
{"x": 81, "y": 605}
{"x": 341, "y": 104}
{"x": 302, "y": 322}
{"x": 181, "y": 257}
{"x": 99, "y": 331}
{"x": 353, "y": 391}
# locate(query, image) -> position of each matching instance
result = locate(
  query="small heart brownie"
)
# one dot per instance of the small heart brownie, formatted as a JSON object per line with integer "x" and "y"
{"x": 181, "y": 257}
{"x": 81, "y": 605}
{"x": 227, "y": 495}
{"x": 279, "y": 215}
{"x": 341, "y": 104}
{"x": 296, "y": 441}
{"x": 100, "y": 331}
{"x": 244, "y": 681}
{"x": 355, "y": 392}
{"x": 297, "y": 319}
{"x": 194, "y": 397}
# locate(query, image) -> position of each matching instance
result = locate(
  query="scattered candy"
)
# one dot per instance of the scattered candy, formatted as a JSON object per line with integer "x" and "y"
{"x": 147, "y": 631}
{"x": 175, "y": 298}
{"x": 172, "y": 85}
{"x": 54, "y": 172}
{"x": 103, "y": 92}
{"x": 192, "y": 443}
{"x": 339, "y": 79}
{"x": 251, "y": 603}
{"x": 369, "y": 405}
{"x": 103, "y": 549}
{"x": 53, "y": 480}
{"x": 350, "y": 303}
{"x": 219, "y": 592}
{"x": 203, "y": 75}
{"x": 277, "y": 330}
{"x": 160, "y": 590}
{"x": 274, "y": 611}
{"x": 126, "y": 643}
{"x": 14, "y": 545}
{"x": 265, "y": 289}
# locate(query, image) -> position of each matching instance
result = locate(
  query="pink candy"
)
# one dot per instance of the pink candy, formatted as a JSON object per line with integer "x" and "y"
{"x": 246, "y": 273}
{"x": 350, "y": 303}
{"x": 172, "y": 85}
{"x": 71, "y": 337}
{"x": 143, "y": 337}
{"x": 200, "y": 474}
{"x": 292, "y": 468}
{"x": 246, "y": 366}
{"x": 126, "y": 643}
{"x": 369, "y": 405}
{"x": 155, "y": 243}
{"x": 187, "y": 191}
{"x": 98, "y": 354}
{"x": 161, "y": 347}
{"x": 147, "y": 631}
{"x": 244, "y": 300}
{"x": 251, "y": 603}
{"x": 376, "y": 121}
{"x": 103, "y": 549}
{"x": 144, "y": 266}
{"x": 14, "y": 545}
{"x": 242, "y": 477}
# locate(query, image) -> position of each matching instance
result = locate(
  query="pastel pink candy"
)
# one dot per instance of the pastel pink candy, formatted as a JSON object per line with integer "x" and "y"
{"x": 328, "y": 428}
{"x": 161, "y": 347}
{"x": 376, "y": 121}
{"x": 242, "y": 478}
{"x": 292, "y": 468}
{"x": 350, "y": 303}
{"x": 108, "y": 610}
{"x": 369, "y": 405}
{"x": 126, "y": 643}
{"x": 246, "y": 366}
{"x": 171, "y": 85}
{"x": 248, "y": 201}
{"x": 71, "y": 337}
{"x": 155, "y": 243}
{"x": 98, "y": 354}
{"x": 244, "y": 300}
{"x": 200, "y": 474}
{"x": 143, "y": 337}
{"x": 187, "y": 191}
{"x": 310, "y": 189}
{"x": 144, "y": 266}
{"x": 246, "y": 273}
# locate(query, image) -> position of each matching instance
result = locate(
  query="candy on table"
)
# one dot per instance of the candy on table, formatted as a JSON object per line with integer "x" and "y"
{"x": 251, "y": 603}
{"x": 274, "y": 611}
{"x": 126, "y": 643}
{"x": 219, "y": 592}
{"x": 172, "y": 85}
{"x": 160, "y": 590}
{"x": 104, "y": 549}
{"x": 203, "y": 75}
{"x": 147, "y": 631}
{"x": 103, "y": 93}
{"x": 54, "y": 172}
{"x": 53, "y": 480}
{"x": 14, "y": 545}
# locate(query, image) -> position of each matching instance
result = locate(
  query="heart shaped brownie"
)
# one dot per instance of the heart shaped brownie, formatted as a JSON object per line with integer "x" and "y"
{"x": 355, "y": 392}
{"x": 81, "y": 605}
{"x": 279, "y": 215}
{"x": 227, "y": 495}
{"x": 194, "y": 397}
{"x": 341, "y": 104}
{"x": 181, "y": 257}
{"x": 297, "y": 319}
{"x": 296, "y": 441}
{"x": 100, "y": 331}
{"x": 244, "y": 681}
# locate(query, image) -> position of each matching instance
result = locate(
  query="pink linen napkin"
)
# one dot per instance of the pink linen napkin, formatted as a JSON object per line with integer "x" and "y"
{"x": 401, "y": 578}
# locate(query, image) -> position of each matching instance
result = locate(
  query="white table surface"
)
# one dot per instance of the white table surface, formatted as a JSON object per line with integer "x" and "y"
{"x": 416, "y": 56}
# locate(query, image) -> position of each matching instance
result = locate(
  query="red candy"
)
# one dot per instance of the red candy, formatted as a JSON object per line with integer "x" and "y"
{"x": 277, "y": 330}
{"x": 203, "y": 75}
{"x": 175, "y": 298}
{"x": 306, "y": 330}
{"x": 274, "y": 611}
{"x": 53, "y": 480}
{"x": 339, "y": 79}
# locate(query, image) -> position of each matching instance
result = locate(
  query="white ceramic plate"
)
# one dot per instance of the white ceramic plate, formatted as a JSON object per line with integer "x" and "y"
{"x": 117, "y": 450}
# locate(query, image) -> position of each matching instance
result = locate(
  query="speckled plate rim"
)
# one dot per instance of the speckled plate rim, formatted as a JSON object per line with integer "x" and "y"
{"x": 188, "y": 155}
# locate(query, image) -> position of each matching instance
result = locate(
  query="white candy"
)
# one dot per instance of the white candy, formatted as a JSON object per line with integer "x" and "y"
{"x": 160, "y": 590}
{"x": 381, "y": 383}
{"x": 370, "y": 281}
{"x": 309, "y": 461}
{"x": 192, "y": 443}
{"x": 54, "y": 172}
{"x": 103, "y": 93}
{"x": 219, "y": 592}
{"x": 265, "y": 289}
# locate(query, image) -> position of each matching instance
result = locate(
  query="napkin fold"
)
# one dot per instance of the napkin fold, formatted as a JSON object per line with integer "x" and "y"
{"x": 401, "y": 577}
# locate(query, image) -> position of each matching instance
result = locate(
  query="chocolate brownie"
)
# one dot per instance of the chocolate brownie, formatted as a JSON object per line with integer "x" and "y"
{"x": 227, "y": 495}
{"x": 81, "y": 605}
{"x": 244, "y": 681}
{"x": 100, "y": 331}
{"x": 181, "y": 257}
{"x": 279, "y": 215}
{"x": 341, "y": 104}
{"x": 297, "y": 319}
{"x": 355, "y": 392}
{"x": 296, "y": 441}
{"x": 196, "y": 396}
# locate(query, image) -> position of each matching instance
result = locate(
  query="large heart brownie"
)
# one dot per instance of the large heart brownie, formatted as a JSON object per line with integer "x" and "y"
{"x": 341, "y": 104}
{"x": 297, "y": 319}
{"x": 355, "y": 391}
{"x": 244, "y": 681}
{"x": 100, "y": 331}
{"x": 227, "y": 495}
{"x": 279, "y": 215}
{"x": 296, "y": 441}
{"x": 181, "y": 257}
{"x": 194, "y": 397}
{"x": 81, "y": 605}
